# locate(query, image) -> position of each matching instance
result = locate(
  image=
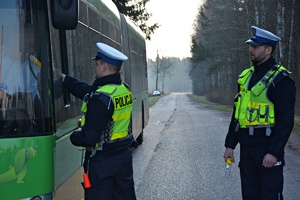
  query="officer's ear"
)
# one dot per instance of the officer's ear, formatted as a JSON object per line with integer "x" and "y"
{"x": 269, "y": 49}
{"x": 104, "y": 66}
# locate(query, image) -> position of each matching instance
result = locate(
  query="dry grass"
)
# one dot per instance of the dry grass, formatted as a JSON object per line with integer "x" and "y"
{"x": 211, "y": 105}
{"x": 215, "y": 106}
{"x": 297, "y": 125}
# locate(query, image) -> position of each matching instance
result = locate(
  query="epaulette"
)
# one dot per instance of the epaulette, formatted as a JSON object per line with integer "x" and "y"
{"x": 126, "y": 85}
{"x": 283, "y": 74}
{"x": 104, "y": 98}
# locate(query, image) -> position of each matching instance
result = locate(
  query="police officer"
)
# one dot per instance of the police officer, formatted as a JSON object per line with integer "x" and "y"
{"x": 262, "y": 120}
{"x": 107, "y": 105}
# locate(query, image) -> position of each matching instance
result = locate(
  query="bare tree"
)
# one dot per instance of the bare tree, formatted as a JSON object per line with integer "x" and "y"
{"x": 291, "y": 39}
{"x": 161, "y": 67}
{"x": 154, "y": 66}
{"x": 218, "y": 47}
{"x": 165, "y": 70}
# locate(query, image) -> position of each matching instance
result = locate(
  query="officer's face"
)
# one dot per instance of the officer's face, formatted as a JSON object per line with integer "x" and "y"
{"x": 259, "y": 54}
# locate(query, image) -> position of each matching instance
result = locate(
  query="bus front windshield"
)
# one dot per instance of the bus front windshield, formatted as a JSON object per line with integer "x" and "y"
{"x": 22, "y": 52}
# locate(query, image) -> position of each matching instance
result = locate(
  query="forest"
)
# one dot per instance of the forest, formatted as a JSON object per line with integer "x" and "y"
{"x": 169, "y": 74}
{"x": 219, "y": 52}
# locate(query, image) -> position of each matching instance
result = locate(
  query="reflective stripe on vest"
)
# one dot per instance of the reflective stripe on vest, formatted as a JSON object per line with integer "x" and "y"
{"x": 252, "y": 107}
{"x": 122, "y": 100}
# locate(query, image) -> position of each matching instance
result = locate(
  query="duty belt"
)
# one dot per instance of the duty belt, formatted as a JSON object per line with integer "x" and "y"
{"x": 251, "y": 129}
{"x": 100, "y": 147}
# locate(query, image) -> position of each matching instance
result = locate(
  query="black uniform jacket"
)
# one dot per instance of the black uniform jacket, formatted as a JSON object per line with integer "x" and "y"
{"x": 100, "y": 109}
{"x": 282, "y": 93}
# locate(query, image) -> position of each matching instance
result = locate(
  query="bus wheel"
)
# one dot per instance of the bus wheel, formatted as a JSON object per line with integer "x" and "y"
{"x": 140, "y": 138}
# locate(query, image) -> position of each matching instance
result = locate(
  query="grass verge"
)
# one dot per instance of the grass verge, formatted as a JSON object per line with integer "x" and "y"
{"x": 211, "y": 105}
{"x": 215, "y": 106}
{"x": 297, "y": 125}
{"x": 153, "y": 100}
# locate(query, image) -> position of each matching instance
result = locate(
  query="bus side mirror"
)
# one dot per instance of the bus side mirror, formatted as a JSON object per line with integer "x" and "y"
{"x": 64, "y": 14}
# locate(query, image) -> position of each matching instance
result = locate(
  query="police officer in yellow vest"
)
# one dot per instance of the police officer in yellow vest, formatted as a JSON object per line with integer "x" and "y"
{"x": 107, "y": 106}
{"x": 262, "y": 120}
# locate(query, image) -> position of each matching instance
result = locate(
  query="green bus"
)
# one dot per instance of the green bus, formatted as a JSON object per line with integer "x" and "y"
{"x": 40, "y": 40}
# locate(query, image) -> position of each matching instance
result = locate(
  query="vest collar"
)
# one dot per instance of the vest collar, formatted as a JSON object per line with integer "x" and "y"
{"x": 265, "y": 66}
{"x": 110, "y": 79}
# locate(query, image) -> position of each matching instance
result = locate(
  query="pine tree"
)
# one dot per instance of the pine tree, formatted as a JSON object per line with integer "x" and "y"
{"x": 136, "y": 11}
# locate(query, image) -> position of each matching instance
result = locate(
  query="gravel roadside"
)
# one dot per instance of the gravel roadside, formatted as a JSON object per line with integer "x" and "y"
{"x": 293, "y": 143}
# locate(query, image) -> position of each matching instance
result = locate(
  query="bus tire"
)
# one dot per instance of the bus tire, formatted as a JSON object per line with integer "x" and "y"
{"x": 140, "y": 138}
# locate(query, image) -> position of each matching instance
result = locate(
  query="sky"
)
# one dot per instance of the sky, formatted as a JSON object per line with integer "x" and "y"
{"x": 176, "y": 19}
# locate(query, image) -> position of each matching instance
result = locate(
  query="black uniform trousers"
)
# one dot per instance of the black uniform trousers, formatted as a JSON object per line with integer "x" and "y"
{"x": 258, "y": 182}
{"x": 111, "y": 178}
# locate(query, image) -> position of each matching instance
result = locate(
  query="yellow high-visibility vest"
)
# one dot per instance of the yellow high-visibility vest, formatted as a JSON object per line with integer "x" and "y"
{"x": 122, "y": 100}
{"x": 253, "y": 107}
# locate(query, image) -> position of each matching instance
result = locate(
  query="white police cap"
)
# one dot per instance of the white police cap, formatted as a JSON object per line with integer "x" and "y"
{"x": 260, "y": 37}
{"x": 109, "y": 54}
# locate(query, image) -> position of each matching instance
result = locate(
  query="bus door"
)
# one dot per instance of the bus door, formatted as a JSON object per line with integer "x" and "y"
{"x": 26, "y": 111}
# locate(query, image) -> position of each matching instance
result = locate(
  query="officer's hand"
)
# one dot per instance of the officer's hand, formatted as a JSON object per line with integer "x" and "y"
{"x": 78, "y": 129}
{"x": 229, "y": 154}
{"x": 269, "y": 160}
{"x": 63, "y": 76}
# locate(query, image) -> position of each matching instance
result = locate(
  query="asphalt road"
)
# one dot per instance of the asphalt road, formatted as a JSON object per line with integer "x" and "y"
{"x": 182, "y": 155}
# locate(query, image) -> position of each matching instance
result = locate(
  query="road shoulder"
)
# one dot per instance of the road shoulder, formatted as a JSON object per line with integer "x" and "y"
{"x": 293, "y": 143}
